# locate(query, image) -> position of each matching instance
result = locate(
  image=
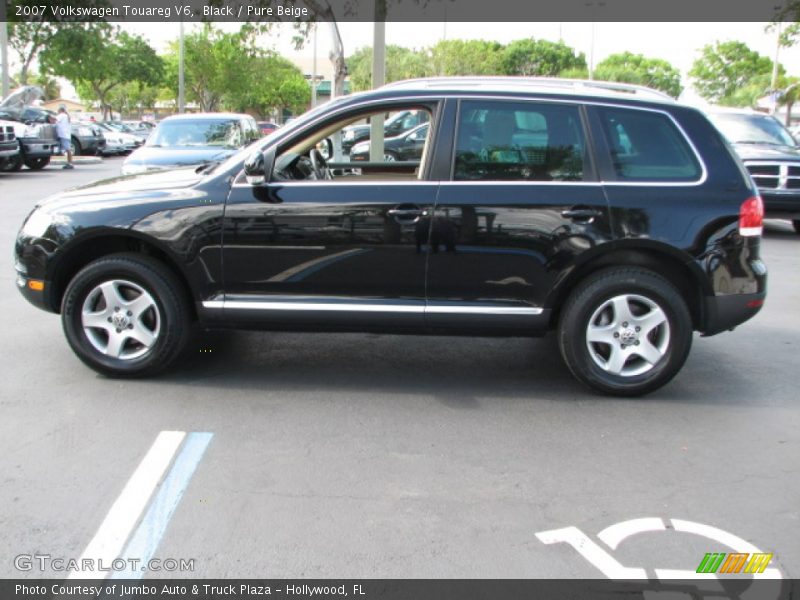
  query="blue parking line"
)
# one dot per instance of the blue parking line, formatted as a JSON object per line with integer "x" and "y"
{"x": 147, "y": 536}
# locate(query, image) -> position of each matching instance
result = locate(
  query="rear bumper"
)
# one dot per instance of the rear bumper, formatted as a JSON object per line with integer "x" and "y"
{"x": 724, "y": 311}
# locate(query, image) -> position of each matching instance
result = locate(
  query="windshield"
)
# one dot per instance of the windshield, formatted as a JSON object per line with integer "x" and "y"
{"x": 752, "y": 129}
{"x": 288, "y": 128}
{"x": 224, "y": 133}
{"x": 117, "y": 126}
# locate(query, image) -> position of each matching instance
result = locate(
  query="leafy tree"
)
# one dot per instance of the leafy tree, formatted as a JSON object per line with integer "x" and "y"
{"x": 98, "y": 60}
{"x": 466, "y": 57}
{"x": 401, "y": 63}
{"x": 29, "y": 37}
{"x": 540, "y": 58}
{"x": 724, "y": 68}
{"x": 635, "y": 68}
{"x": 231, "y": 70}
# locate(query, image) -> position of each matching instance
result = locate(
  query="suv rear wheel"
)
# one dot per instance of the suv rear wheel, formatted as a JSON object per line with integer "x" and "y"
{"x": 625, "y": 331}
{"x": 125, "y": 316}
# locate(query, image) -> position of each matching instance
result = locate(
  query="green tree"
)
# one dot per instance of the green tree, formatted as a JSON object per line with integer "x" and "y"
{"x": 540, "y": 58}
{"x": 29, "y": 37}
{"x": 466, "y": 57}
{"x": 635, "y": 68}
{"x": 724, "y": 68}
{"x": 98, "y": 60}
{"x": 401, "y": 63}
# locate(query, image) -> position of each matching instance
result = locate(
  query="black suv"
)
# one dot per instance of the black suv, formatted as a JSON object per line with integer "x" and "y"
{"x": 770, "y": 153}
{"x": 608, "y": 213}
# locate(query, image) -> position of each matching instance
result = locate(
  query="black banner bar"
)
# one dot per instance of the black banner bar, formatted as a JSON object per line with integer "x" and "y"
{"x": 394, "y": 589}
{"x": 401, "y": 10}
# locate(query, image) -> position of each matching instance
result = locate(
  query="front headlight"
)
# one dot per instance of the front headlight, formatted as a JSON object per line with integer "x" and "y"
{"x": 360, "y": 147}
{"x": 133, "y": 168}
{"x": 31, "y": 131}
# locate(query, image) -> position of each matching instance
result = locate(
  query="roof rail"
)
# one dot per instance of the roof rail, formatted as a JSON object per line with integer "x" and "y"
{"x": 552, "y": 82}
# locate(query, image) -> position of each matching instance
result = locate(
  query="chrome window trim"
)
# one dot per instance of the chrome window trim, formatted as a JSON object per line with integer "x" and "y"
{"x": 514, "y": 97}
{"x": 305, "y": 305}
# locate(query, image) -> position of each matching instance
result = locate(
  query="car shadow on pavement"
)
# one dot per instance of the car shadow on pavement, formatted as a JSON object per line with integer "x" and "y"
{"x": 460, "y": 372}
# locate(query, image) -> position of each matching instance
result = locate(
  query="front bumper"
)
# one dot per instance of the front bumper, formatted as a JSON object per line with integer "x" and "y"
{"x": 38, "y": 147}
{"x": 8, "y": 149}
{"x": 783, "y": 205}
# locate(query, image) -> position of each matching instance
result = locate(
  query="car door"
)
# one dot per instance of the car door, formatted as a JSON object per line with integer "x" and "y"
{"x": 334, "y": 253}
{"x": 522, "y": 204}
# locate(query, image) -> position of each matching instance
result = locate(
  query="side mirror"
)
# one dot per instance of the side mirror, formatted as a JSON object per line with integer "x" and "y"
{"x": 325, "y": 148}
{"x": 258, "y": 167}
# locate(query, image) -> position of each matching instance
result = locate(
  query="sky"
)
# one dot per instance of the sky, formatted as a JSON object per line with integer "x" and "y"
{"x": 678, "y": 43}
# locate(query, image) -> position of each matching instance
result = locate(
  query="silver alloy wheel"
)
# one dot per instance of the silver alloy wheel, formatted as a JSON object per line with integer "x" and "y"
{"x": 121, "y": 319}
{"x": 628, "y": 335}
{"x": 389, "y": 158}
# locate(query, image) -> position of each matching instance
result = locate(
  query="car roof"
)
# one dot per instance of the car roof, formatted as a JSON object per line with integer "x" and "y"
{"x": 532, "y": 85}
{"x": 206, "y": 116}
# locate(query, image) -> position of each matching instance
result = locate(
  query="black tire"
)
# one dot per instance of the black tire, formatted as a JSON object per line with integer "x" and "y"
{"x": 136, "y": 282}
{"x": 77, "y": 149}
{"x": 615, "y": 366}
{"x": 37, "y": 164}
{"x": 796, "y": 224}
{"x": 13, "y": 163}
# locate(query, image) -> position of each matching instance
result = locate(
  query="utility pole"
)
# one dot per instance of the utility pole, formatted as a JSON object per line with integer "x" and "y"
{"x": 314, "y": 71}
{"x": 378, "y": 78}
{"x": 181, "y": 90}
{"x": 773, "y": 86}
{"x": 4, "y": 50}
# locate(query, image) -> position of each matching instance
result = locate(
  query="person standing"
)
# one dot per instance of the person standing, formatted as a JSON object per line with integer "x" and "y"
{"x": 64, "y": 134}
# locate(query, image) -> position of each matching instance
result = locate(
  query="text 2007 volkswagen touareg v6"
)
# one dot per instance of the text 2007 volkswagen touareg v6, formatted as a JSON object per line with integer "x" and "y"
{"x": 608, "y": 213}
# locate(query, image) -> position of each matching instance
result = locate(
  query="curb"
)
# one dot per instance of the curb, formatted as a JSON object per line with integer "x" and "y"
{"x": 77, "y": 160}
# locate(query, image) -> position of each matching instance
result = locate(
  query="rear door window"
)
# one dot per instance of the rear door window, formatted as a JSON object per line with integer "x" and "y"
{"x": 519, "y": 141}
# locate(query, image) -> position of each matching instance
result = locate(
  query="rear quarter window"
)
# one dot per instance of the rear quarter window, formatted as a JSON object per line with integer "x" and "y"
{"x": 647, "y": 146}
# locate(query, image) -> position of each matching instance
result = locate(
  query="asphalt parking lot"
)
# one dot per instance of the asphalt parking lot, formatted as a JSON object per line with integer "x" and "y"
{"x": 395, "y": 457}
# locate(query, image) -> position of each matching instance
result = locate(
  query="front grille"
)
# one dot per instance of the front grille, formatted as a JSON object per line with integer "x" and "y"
{"x": 775, "y": 176}
{"x": 7, "y": 134}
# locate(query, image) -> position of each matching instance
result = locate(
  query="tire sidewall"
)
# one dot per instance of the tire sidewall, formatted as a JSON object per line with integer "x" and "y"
{"x": 143, "y": 275}
{"x": 573, "y": 334}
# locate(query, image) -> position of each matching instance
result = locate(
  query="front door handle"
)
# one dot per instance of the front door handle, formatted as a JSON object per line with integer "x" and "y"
{"x": 581, "y": 213}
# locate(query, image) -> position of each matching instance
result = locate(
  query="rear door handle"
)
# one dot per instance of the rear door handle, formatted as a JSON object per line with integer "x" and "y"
{"x": 582, "y": 214}
{"x": 405, "y": 213}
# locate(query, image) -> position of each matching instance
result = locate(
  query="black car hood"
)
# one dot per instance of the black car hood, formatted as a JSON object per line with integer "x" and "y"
{"x": 766, "y": 152}
{"x": 156, "y": 186}
{"x": 177, "y": 156}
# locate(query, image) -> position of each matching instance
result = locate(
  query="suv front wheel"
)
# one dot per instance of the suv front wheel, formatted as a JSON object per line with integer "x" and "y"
{"x": 625, "y": 331}
{"x": 125, "y": 316}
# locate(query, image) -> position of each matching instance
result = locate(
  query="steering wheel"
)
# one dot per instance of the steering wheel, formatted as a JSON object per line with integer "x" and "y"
{"x": 319, "y": 165}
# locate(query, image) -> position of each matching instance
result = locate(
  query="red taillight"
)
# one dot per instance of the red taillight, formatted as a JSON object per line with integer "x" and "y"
{"x": 751, "y": 216}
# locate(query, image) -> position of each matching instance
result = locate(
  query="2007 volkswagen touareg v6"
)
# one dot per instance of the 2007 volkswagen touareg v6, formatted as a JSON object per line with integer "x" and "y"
{"x": 608, "y": 213}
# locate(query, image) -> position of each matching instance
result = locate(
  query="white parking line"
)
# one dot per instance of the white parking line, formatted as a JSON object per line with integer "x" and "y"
{"x": 108, "y": 542}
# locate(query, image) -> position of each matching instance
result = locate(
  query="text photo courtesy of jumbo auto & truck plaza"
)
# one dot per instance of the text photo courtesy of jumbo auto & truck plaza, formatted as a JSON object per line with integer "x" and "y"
{"x": 331, "y": 299}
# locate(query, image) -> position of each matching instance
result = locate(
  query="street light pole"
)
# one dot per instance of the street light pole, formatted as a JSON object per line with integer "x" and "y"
{"x": 181, "y": 90}
{"x": 314, "y": 71}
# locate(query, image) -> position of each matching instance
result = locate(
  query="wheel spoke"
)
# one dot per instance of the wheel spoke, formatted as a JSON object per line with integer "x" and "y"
{"x": 651, "y": 320}
{"x": 601, "y": 334}
{"x": 116, "y": 342}
{"x": 111, "y": 295}
{"x": 648, "y": 351}
{"x": 98, "y": 320}
{"x": 140, "y": 305}
{"x": 141, "y": 335}
{"x": 622, "y": 310}
{"x": 616, "y": 361}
